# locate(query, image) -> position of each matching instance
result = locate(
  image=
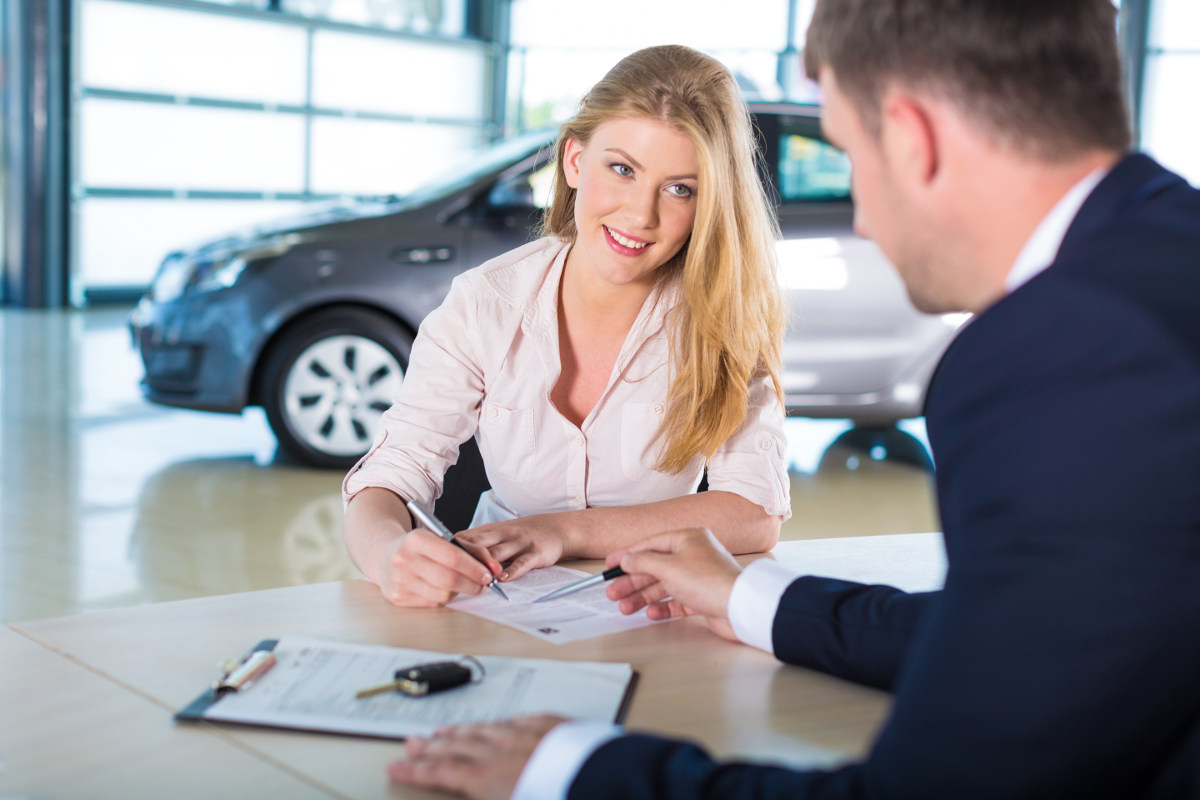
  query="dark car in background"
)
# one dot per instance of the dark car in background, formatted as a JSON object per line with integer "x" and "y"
{"x": 313, "y": 318}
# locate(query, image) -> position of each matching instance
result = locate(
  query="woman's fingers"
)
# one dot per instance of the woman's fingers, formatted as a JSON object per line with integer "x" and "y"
{"x": 466, "y": 562}
{"x": 522, "y": 564}
{"x": 426, "y": 570}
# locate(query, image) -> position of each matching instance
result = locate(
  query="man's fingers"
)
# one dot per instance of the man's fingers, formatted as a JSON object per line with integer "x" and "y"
{"x": 665, "y": 542}
{"x": 667, "y": 609}
{"x": 649, "y": 562}
{"x": 654, "y": 593}
{"x": 537, "y": 724}
{"x": 627, "y": 585}
{"x": 468, "y": 743}
{"x": 434, "y": 773}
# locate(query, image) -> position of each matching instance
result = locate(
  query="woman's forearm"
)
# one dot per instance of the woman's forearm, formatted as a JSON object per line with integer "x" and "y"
{"x": 742, "y": 526}
{"x": 374, "y": 519}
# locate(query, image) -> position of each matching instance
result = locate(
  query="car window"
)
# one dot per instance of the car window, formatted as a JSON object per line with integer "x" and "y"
{"x": 811, "y": 170}
{"x": 481, "y": 162}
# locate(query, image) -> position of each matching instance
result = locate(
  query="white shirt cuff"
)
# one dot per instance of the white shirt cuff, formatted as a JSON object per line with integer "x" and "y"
{"x": 755, "y": 599}
{"x": 559, "y": 757}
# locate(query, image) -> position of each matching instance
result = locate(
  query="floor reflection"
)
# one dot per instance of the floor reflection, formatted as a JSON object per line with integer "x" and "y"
{"x": 106, "y": 500}
{"x": 232, "y": 525}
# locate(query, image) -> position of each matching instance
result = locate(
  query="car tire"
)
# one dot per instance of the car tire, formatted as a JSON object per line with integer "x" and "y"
{"x": 328, "y": 380}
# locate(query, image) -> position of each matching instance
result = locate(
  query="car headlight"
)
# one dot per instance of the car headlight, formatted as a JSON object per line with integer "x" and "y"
{"x": 180, "y": 274}
{"x": 220, "y": 274}
{"x": 172, "y": 278}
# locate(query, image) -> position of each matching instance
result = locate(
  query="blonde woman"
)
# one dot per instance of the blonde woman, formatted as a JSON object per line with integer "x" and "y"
{"x": 605, "y": 366}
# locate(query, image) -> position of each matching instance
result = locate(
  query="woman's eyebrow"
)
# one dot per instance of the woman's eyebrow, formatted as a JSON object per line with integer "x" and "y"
{"x": 633, "y": 162}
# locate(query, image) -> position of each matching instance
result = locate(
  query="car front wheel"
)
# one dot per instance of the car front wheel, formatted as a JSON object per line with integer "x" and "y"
{"x": 329, "y": 380}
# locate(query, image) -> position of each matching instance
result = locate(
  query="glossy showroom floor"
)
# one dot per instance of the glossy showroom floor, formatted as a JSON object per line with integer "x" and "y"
{"x": 106, "y": 500}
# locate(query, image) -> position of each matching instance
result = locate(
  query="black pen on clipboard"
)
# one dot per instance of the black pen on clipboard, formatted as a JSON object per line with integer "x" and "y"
{"x": 431, "y": 523}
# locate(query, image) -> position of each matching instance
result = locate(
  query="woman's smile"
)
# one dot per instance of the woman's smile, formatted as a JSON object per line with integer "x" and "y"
{"x": 623, "y": 244}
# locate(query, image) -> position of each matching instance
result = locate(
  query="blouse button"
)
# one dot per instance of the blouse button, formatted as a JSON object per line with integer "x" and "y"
{"x": 765, "y": 444}
{"x": 494, "y": 412}
{"x": 579, "y": 441}
{"x": 658, "y": 408}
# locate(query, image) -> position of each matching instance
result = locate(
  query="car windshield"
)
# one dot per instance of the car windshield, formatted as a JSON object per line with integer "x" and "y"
{"x": 482, "y": 162}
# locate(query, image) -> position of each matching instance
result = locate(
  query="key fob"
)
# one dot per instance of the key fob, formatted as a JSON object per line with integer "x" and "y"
{"x": 438, "y": 676}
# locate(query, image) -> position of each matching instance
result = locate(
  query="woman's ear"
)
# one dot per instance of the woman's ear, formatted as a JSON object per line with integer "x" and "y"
{"x": 570, "y": 166}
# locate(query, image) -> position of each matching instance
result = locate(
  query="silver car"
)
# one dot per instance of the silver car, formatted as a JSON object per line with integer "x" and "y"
{"x": 313, "y": 318}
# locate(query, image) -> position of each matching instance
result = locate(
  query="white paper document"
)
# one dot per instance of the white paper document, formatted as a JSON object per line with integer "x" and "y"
{"x": 313, "y": 684}
{"x": 577, "y": 616}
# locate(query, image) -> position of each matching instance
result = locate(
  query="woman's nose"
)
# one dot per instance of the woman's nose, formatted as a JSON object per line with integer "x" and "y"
{"x": 642, "y": 208}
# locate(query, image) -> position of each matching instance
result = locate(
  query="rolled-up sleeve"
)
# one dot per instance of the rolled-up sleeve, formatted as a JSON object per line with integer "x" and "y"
{"x": 753, "y": 461}
{"x": 436, "y": 408}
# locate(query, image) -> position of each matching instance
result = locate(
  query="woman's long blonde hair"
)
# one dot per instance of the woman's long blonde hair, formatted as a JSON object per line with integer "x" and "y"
{"x": 728, "y": 327}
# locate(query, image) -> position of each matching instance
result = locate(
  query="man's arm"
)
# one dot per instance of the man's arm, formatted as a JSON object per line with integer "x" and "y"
{"x": 850, "y": 630}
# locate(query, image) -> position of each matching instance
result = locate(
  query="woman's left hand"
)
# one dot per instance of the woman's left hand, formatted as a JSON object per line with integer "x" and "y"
{"x": 525, "y": 543}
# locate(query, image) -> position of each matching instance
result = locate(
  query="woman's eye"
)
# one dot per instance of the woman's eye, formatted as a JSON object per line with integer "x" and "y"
{"x": 681, "y": 190}
{"x": 624, "y": 170}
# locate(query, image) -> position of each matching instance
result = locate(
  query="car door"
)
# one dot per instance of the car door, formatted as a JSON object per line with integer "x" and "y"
{"x": 509, "y": 213}
{"x": 855, "y": 345}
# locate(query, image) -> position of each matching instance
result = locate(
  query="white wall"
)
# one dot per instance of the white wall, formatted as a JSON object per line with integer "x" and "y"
{"x": 1171, "y": 101}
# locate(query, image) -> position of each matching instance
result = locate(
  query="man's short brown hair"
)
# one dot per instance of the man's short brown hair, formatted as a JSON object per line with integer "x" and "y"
{"x": 1042, "y": 76}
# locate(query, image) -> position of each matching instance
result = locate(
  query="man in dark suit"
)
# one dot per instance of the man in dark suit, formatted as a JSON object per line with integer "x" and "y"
{"x": 1062, "y": 658}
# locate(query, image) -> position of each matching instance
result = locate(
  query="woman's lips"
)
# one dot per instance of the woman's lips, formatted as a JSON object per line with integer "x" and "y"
{"x": 624, "y": 244}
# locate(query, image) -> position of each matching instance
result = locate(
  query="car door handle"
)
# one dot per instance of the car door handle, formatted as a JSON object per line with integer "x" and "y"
{"x": 422, "y": 255}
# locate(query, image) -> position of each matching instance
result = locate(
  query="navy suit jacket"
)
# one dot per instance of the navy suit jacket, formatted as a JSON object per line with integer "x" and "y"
{"x": 1062, "y": 657}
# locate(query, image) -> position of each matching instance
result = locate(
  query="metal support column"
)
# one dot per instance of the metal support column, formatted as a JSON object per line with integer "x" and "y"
{"x": 1133, "y": 31}
{"x": 35, "y": 75}
{"x": 489, "y": 20}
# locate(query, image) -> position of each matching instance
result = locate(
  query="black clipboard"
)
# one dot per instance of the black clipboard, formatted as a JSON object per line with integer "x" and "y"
{"x": 195, "y": 710}
{"x": 206, "y": 707}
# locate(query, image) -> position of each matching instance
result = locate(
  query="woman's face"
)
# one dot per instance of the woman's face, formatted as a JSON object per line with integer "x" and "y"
{"x": 635, "y": 202}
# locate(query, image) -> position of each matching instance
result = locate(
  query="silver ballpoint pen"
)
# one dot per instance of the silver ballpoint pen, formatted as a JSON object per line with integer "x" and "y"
{"x": 582, "y": 583}
{"x": 432, "y": 523}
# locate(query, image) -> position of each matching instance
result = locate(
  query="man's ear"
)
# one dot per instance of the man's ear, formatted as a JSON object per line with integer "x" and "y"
{"x": 910, "y": 137}
{"x": 571, "y": 153}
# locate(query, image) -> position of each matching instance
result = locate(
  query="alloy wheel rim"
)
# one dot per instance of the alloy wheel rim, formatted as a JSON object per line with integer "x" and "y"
{"x": 337, "y": 390}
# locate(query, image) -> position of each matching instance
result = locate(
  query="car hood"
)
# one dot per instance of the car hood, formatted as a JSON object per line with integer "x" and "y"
{"x": 302, "y": 226}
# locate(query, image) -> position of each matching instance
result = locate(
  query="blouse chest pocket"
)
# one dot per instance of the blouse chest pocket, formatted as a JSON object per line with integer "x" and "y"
{"x": 506, "y": 441}
{"x": 640, "y": 423}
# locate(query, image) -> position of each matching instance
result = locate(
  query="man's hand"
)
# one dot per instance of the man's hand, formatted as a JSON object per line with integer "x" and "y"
{"x": 479, "y": 761}
{"x": 676, "y": 574}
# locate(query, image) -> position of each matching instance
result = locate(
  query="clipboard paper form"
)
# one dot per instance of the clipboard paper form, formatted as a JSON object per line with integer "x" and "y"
{"x": 312, "y": 687}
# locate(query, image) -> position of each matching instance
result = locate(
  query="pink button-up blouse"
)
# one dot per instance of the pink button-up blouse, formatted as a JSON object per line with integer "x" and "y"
{"x": 484, "y": 364}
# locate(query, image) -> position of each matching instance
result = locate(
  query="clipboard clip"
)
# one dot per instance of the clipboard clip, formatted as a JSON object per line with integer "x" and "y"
{"x": 238, "y": 675}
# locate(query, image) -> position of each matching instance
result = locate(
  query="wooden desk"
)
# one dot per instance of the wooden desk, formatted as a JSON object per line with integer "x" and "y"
{"x": 69, "y": 732}
{"x": 736, "y": 700}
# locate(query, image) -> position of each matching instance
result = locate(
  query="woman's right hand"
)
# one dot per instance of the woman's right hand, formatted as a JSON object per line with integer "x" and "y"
{"x": 422, "y": 570}
{"x": 412, "y": 568}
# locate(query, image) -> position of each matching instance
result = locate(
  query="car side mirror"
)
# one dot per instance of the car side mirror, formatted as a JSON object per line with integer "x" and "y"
{"x": 511, "y": 194}
{"x": 510, "y": 204}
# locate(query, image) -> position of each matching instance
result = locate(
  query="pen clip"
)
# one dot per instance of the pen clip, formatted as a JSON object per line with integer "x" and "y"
{"x": 237, "y": 676}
